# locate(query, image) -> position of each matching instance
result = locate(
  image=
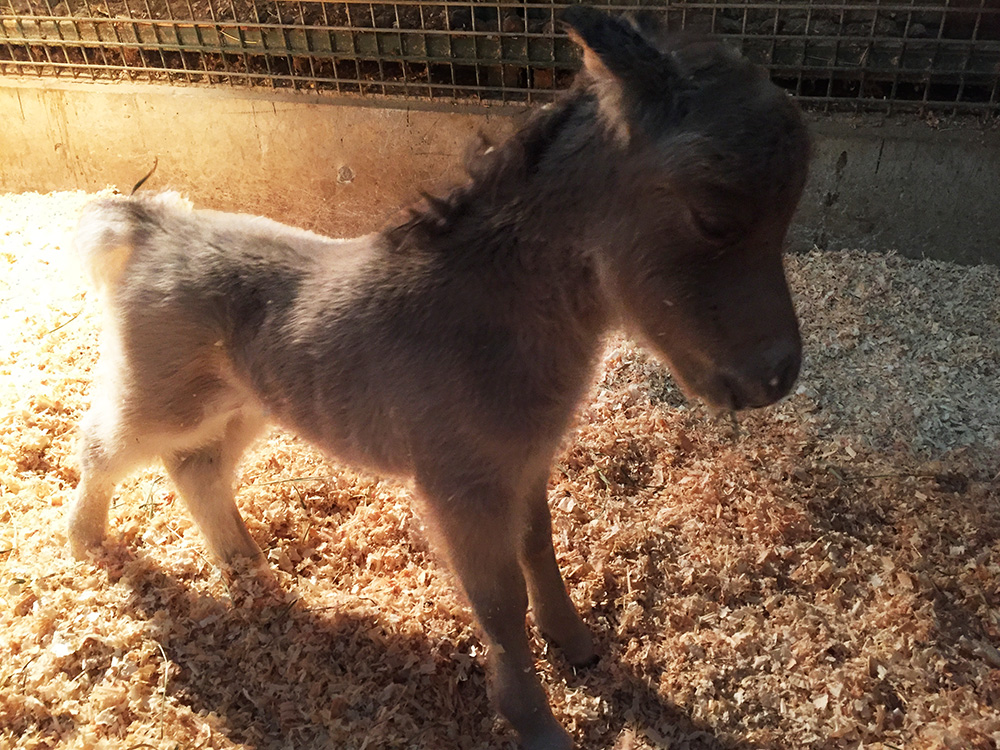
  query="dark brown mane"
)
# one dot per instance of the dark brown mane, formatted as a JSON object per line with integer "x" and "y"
{"x": 493, "y": 170}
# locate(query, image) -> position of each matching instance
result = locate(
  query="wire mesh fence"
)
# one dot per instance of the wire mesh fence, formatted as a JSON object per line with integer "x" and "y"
{"x": 881, "y": 55}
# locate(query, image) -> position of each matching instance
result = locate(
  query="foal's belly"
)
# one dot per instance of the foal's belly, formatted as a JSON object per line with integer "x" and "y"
{"x": 368, "y": 437}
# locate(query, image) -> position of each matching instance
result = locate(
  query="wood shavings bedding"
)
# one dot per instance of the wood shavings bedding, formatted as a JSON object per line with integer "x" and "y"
{"x": 826, "y": 575}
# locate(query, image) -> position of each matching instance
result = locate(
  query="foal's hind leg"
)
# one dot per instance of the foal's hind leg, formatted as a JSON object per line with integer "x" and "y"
{"x": 204, "y": 479}
{"x": 554, "y": 612}
{"x": 107, "y": 452}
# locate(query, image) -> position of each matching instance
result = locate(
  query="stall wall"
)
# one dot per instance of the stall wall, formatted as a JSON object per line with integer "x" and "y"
{"x": 347, "y": 168}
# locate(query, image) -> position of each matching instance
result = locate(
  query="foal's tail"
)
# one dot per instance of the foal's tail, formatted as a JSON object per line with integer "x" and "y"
{"x": 109, "y": 228}
{"x": 104, "y": 240}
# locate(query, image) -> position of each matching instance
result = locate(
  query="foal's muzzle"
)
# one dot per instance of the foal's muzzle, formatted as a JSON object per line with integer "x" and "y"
{"x": 767, "y": 380}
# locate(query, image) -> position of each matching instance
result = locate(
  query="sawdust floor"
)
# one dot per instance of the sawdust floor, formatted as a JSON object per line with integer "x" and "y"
{"x": 827, "y": 577}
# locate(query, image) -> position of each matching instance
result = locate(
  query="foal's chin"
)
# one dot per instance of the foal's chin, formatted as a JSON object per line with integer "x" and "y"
{"x": 726, "y": 391}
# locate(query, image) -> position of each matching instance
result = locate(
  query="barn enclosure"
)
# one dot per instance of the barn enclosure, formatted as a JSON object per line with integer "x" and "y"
{"x": 823, "y": 574}
{"x": 875, "y": 55}
{"x": 348, "y": 105}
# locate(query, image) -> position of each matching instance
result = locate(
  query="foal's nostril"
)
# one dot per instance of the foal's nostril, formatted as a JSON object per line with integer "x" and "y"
{"x": 769, "y": 377}
{"x": 786, "y": 370}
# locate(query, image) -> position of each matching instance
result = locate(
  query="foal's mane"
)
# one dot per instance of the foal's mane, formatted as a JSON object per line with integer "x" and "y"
{"x": 492, "y": 171}
{"x": 496, "y": 173}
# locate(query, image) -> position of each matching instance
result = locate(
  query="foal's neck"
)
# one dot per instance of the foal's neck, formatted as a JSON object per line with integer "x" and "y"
{"x": 528, "y": 200}
{"x": 508, "y": 252}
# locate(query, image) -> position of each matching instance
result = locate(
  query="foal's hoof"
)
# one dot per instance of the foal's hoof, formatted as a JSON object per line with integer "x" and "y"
{"x": 84, "y": 543}
{"x": 251, "y": 581}
{"x": 579, "y": 649}
{"x": 84, "y": 552}
{"x": 584, "y": 661}
{"x": 555, "y": 738}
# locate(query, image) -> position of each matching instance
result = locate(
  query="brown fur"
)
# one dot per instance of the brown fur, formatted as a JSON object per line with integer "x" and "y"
{"x": 454, "y": 347}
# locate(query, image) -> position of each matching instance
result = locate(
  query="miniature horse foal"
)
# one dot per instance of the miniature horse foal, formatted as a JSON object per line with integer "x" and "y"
{"x": 455, "y": 347}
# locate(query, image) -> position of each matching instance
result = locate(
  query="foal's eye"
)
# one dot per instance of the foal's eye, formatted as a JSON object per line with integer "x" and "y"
{"x": 713, "y": 228}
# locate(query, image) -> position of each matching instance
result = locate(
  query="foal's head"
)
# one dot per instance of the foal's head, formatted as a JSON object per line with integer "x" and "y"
{"x": 708, "y": 162}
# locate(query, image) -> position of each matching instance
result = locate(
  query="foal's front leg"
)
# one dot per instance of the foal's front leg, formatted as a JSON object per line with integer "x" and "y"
{"x": 554, "y": 612}
{"x": 480, "y": 531}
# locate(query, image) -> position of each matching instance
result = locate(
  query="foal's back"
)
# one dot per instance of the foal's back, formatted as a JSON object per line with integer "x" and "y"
{"x": 379, "y": 351}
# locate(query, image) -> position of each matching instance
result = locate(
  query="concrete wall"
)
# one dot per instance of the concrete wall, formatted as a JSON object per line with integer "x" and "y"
{"x": 344, "y": 168}
{"x": 305, "y": 160}
{"x": 903, "y": 185}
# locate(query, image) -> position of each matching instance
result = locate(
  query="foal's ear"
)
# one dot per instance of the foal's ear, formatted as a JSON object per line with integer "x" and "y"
{"x": 615, "y": 52}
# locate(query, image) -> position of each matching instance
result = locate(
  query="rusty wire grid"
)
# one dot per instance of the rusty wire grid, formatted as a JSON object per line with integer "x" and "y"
{"x": 863, "y": 55}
